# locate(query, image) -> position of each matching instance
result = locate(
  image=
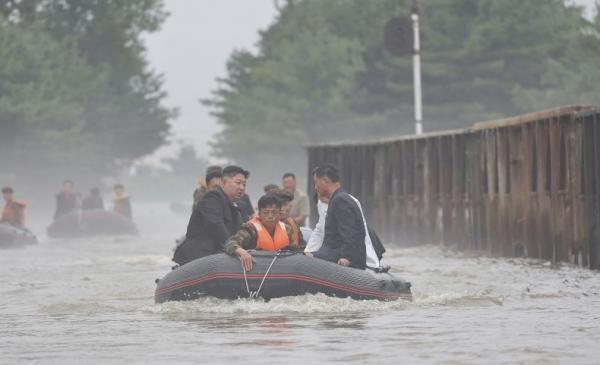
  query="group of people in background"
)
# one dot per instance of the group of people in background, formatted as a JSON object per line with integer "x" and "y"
{"x": 67, "y": 201}
{"x": 223, "y": 220}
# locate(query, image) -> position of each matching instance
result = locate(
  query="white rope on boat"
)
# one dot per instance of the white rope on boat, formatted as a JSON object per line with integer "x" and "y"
{"x": 255, "y": 294}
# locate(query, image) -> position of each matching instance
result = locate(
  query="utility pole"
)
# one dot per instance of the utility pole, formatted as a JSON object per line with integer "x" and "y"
{"x": 417, "y": 69}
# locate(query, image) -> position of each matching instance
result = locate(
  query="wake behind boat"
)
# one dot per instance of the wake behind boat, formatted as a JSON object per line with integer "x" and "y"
{"x": 88, "y": 223}
{"x": 276, "y": 275}
{"x": 12, "y": 236}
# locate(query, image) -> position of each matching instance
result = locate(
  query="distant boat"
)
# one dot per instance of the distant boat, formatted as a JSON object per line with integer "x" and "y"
{"x": 89, "y": 223}
{"x": 12, "y": 236}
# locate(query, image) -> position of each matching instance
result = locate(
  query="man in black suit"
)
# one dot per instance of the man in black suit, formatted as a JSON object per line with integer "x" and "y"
{"x": 344, "y": 240}
{"x": 214, "y": 219}
{"x": 66, "y": 201}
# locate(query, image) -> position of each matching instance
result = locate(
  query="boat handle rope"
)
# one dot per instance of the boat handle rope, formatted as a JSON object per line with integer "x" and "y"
{"x": 255, "y": 294}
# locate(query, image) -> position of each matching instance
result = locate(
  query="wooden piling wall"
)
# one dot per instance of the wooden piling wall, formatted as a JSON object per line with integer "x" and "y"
{"x": 524, "y": 186}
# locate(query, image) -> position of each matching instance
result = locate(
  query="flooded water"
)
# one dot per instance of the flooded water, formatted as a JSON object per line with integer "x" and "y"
{"x": 91, "y": 301}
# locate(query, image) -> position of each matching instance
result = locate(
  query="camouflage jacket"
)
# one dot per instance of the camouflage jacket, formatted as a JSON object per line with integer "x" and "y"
{"x": 247, "y": 235}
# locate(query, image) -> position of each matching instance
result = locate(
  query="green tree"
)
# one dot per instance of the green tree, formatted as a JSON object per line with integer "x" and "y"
{"x": 84, "y": 99}
{"x": 44, "y": 87}
{"x": 321, "y": 72}
{"x": 187, "y": 164}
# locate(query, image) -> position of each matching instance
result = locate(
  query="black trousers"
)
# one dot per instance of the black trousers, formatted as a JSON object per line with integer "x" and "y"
{"x": 328, "y": 254}
{"x": 191, "y": 249}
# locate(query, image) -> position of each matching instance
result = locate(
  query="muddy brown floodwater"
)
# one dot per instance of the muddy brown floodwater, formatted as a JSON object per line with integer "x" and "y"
{"x": 91, "y": 301}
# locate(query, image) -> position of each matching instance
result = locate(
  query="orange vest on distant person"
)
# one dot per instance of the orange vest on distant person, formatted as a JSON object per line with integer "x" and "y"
{"x": 295, "y": 228}
{"x": 265, "y": 242}
{"x": 14, "y": 213}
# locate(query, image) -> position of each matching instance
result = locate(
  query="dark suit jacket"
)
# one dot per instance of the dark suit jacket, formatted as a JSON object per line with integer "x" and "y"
{"x": 65, "y": 203}
{"x": 345, "y": 230}
{"x": 92, "y": 202}
{"x": 246, "y": 208}
{"x": 213, "y": 220}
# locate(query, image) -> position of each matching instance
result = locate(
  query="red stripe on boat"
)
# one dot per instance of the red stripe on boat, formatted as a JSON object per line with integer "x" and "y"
{"x": 240, "y": 276}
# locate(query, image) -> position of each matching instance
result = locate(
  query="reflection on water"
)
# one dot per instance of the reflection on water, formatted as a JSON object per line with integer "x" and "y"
{"x": 93, "y": 299}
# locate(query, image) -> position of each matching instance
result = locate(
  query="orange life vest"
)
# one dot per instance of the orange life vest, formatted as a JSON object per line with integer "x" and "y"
{"x": 14, "y": 213}
{"x": 295, "y": 228}
{"x": 265, "y": 242}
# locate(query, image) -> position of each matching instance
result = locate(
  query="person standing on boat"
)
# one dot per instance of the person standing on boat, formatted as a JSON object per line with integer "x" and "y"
{"x": 214, "y": 219}
{"x": 315, "y": 241}
{"x": 66, "y": 201}
{"x": 286, "y": 198}
{"x": 246, "y": 208}
{"x": 264, "y": 232}
{"x": 373, "y": 244}
{"x": 271, "y": 188}
{"x": 211, "y": 181}
{"x": 245, "y": 205}
{"x": 300, "y": 207}
{"x": 345, "y": 228}
{"x": 122, "y": 202}
{"x": 14, "y": 210}
{"x": 93, "y": 201}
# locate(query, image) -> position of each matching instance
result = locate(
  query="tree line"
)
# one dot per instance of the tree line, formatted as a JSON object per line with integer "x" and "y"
{"x": 321, "y": 72}
{"x": 76, "y": 92}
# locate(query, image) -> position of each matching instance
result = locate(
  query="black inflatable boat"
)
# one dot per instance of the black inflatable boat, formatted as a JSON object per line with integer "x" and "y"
{"x": 275, "y": 275}
{"x": 88, "y": 223}
{"x": 11, "y": 236}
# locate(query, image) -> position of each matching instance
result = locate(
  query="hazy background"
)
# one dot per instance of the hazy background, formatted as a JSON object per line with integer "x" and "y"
{"x": 114, "y": 96}
{"x": 192, "y": 48}
{"x": 191, "y": 51}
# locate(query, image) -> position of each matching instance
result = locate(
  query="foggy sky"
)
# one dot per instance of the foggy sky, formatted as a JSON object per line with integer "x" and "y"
{"x": 191, "y": 50}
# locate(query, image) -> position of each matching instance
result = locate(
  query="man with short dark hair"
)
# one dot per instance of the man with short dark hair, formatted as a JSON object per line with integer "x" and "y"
{"x": 66, "y": 201}
{"x": 286, "y": 200}
{"x": 212, "y": 180}
{"x": 14, "y": 210}
{"x": 271, "y": 188}
{"x": 265, "y": 232}
{"x": 344, "y": 241}
{"x": 214, "y": 219}
{"x": 245, "y": 205}
{"x": 300, "y": 206}
{"x": 373, "y": 244}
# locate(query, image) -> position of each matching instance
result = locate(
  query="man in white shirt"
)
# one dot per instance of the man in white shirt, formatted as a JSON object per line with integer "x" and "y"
{"x": 315, "y": 241}
{"x": 299, "y": 207}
